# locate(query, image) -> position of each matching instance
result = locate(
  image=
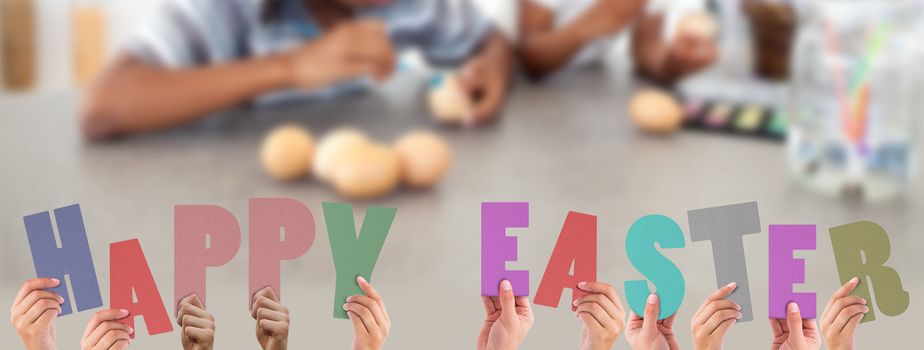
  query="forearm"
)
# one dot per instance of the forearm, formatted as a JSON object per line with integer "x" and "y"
{"x": 497, "y": 50}
{"x": 649, "y": 49}
{"x": 132, "y": 97}
{"x": 544, "y": 53}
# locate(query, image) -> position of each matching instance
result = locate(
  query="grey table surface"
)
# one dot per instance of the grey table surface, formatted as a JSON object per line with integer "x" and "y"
{"x": 566, "y": 145}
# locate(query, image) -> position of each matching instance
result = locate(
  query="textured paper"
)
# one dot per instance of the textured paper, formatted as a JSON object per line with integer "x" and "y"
{"x": 645, "y": 233}
{"x": 354, "y": 256}
{"x": 861, "y": 249}
{"x": 268, "y": 218}
{"x": 128, "y": 273}
{"x": 497, "y": 248}
{"x": 725, "y": 227}
{"x": 72, "y": 259}
{"x": 192, "y": 226}
{"x": 786, "y": 270}
{"x": 577, "y": 248}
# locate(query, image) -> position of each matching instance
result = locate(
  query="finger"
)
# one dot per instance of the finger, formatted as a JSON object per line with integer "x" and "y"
{"x": 777, "y": 327}
{"x": 843, "y": 291}
{"x": 722, "y": 329}
{"x": 714, "y": 307}
{"x": 508, "y": 304}
{"x": 597, "y": 312}
{"x": 120, "y": 344}
{"x": 267, "y": 314}
{"x": 847, "y": 314}
{"x": 190, "y": 310}
{"x": 489, "y": 103}
{"x": 33, "y": 284}
{"x": 39, "y": 308}
{"x": 605, "y": 289}
{"x": 839, "y": 305}
{"x": 110, "y": 338}
{"x": 358, "y": 326}
{"x": 274, "y": 328}
{"x": 267, "y": 303}
{"x": 47, "y": 317}
{"x": 105, "y": 328}
{"x": 851, "y": 327}
{"x": 601, "y": 300}
{"x": 198, "y": 322}
{"x": 719, "y": 317}
{"x": 363, "y": 314}
{"x": 633, "y": 316}
{"x": 718, "y": 294}
{"x": 794, "y": 322}
{"x": 488, "y": 305}
{"x": 370, "y": 304}
{"x": 669, "y": 321}
{"x": 34, "y": 297}
{"x": 103, "y": 316}
{"x": 590, "y": 322}
{"x": 199, "y": 334}
{"x": 370, "y": 291}
{"x": 652, "y": 307}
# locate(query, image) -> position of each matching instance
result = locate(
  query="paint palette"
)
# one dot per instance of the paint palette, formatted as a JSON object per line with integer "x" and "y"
{"x": 735, "y": 119}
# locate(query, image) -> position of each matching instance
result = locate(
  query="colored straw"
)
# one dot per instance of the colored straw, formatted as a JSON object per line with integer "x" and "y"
{"x": 839, "y": 80}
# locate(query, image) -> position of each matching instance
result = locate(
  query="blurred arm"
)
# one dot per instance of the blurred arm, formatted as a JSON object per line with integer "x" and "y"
{"x": 649, "y": 51}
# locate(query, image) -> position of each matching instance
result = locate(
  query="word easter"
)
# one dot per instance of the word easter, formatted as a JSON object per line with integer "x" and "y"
{"x": 861, "y": 249}
{"x": 205, "y": 236}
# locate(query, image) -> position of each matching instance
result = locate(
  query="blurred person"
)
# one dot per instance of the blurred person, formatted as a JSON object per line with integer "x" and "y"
{"x": 714, "y": 318}
{"x": 196, "y": 57}
{"x": 795, "y": 332}
{"x": 197, "y": 326}
{"x": 557, "y": 35}
{"x": 601, "y": 314}
{"x": 272, "y": 326}
{"x": 507, "y": 320}
{"x": 371, "y": 322}
{"x": 647, "y": 332}
{"x": 842, "y": 317}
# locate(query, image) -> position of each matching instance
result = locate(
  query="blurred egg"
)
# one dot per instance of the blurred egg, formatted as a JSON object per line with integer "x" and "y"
{"x": 655, "y": 111}
{"x": 424, "y": 157}
{"x": 366, "y": 172}
{"x": 332, "y": 147}
{"x": 448, "y": 102}
{"x": 287, "y": 152}
{"x": 700, "y": 24}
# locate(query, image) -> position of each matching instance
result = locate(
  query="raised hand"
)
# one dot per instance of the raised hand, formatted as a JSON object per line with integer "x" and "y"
{"x": 714, "y": 318}
{"x": 272, "y": 326}
{"x": 842, "y": 316}
{"x": 507, "y": 320}
{"x": 33, "y": 313}
{"x": 649, "y": 333}
{"x": 370, "y": 318}
{"x": 795, "y": 332}
{"x": 197, "y": 326}
{"x": 602, "y": 316}
{"x": 104, "y": 331}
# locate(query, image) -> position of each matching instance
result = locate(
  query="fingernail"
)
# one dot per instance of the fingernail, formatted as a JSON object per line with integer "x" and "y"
{"x": 60, "y": 300}
{"x": 344, "y": 306}
{"x": 575, "y": 303}
{"x": 854, "y": 280}
{"x": 582, "y": 285}
{"x": 862, "y": 301}
{"x": 505, "y": 285}
{"x": 652, "y": 298}
{"x": 865, "y": 309}
{"x": 131, "y": 330}
{"x": 731, "y": 285}
{"x": 737, "y": 307}
{"x": 738, "y": 315}
{"x": 793, "y": 307}
{"x": 123, "y": 312}
{"x": 55, "y": 281}
{"x": 361, "y": 280}
{"x": 349, "y": 298}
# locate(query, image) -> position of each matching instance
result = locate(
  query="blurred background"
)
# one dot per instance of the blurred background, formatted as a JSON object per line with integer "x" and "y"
{"x": 811, "y": 108}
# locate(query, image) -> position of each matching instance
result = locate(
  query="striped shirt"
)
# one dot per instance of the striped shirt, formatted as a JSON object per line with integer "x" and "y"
{"x": 193, "y": 33}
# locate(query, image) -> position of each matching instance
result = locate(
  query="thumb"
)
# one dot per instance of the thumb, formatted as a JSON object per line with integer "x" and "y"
{"x": 508, "y": 305}
{"x": 652, "y": 307}
{"x": 794, "y": 322}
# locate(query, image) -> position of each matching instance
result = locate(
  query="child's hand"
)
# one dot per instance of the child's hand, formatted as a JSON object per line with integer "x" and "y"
{"x": 795, "y": 332}
{"x": 841, "y": 317}
{"x": 272, "y": 320}
{"x": 608, "y": 17}
{"x": 649, "y": 333}
{"x": 602, "y": 316}
{"x": 197, "y": 326}
{"x": 714, "y": 318}
{"x": 507, "y": 321}
{"x": 33, "y": 313}
{"x": 688, "y": 54}
{"x": 349, "y": 50}
{"x": 370, "y": 318}
{"x": 104, "y": 331}
{"x": 485, "y": 78}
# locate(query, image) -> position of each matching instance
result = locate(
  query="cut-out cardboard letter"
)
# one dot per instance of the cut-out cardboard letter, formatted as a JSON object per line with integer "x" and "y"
{"x": 786, "y": 270}
{"x": 193, "y": 227}
{"x": 861, "y": 249}
{"x": 577, "y": 248}
{"x": 130, "y": 279}
{"x": 73, "y": 258}
{"x": 644, "y": 256}
{"x": 280, "y": 229}
{"x": 497, "y": 248}
{"x": 354, "y": 256}
{"x": 725, "y": 227}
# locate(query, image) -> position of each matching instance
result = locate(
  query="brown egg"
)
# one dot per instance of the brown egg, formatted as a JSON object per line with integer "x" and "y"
{"x": 655, "y": 111}
{"x": 367, "y": 172}
{"x": 424, "y": 156}
{"x": 287, "y": 152}
{"x": 700, "y": 24}
{"x": 332, "y": 147}
{"x": 448, "y": 103}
